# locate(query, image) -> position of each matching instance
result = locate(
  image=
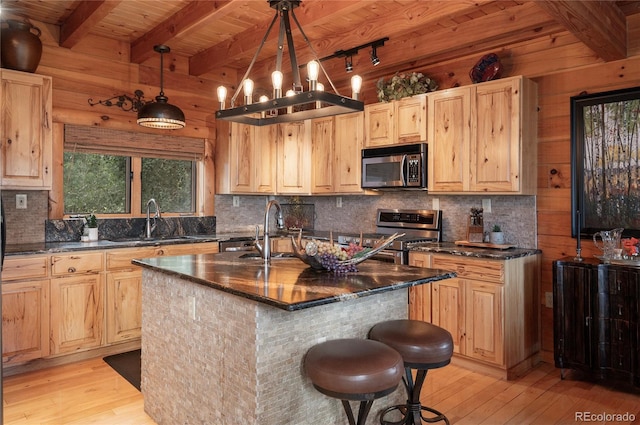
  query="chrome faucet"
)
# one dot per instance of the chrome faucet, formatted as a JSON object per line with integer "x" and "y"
{"x": 150, "y": 228}
{"x": 265, "y": 247}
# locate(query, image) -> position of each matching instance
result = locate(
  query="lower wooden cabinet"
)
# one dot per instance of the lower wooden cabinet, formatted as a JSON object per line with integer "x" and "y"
{"x": 25, "y": 321}
{"x": 420, "y": 296}
{"x": 491, "y": 309}
{"x": 124, "y": 306}
{"x": 77, "y": 313}
{"x": 59, "y": 304}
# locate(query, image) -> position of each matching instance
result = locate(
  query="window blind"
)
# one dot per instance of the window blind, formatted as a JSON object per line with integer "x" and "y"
{"x": 129, "y": 143}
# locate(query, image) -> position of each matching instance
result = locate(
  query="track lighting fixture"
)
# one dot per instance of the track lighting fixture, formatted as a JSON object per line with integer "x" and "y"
{"x": 374, "y": 56}
{"x": 349, "y": 53}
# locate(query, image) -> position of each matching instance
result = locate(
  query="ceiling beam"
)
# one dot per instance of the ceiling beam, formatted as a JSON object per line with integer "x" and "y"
{"x": 83, "y": 18}
{"x": 600, "y": 25}
{"x": 179, "y": 23}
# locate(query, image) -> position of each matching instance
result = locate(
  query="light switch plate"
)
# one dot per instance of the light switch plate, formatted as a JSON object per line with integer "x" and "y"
{"x": 21, "y": 202}
{"x": 236, "y": 201}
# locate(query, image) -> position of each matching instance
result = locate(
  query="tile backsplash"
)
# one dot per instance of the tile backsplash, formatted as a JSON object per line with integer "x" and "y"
{"x": 25, "y": 226}
{"x": 516, "y": 215}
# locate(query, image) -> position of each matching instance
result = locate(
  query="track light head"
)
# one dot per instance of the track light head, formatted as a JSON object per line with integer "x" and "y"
{"x": 374, "y": 56}
{"x": 348, "y": 63}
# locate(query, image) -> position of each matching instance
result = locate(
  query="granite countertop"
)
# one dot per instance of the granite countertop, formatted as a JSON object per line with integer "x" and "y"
{"x": 288, "y": 283}
{"x": 134, "y": 242}
{"x": 466, "y": 251}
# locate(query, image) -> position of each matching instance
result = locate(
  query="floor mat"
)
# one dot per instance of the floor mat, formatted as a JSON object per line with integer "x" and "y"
{"x": 128, "y": 365}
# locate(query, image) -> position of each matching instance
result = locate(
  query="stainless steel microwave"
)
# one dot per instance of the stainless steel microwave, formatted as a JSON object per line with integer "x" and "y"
{"x": 395, "y": 167}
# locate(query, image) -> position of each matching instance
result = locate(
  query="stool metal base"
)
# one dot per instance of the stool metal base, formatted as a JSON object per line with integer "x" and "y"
{"x": 412, "y": 410}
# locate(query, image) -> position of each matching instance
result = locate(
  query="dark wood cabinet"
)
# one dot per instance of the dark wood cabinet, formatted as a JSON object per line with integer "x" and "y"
{"x": 595, "y": 316}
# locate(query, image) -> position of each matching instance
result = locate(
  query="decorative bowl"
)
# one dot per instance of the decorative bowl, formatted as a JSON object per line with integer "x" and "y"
{"x": 322, "y": 255}
{"x": 488, "y": 68}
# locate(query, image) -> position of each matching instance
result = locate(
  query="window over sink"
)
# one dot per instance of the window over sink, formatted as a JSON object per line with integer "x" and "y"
{"x": 110, "y": 172}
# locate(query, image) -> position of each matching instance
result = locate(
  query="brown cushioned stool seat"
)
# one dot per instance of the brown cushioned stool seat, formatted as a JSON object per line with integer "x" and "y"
{"x": 354, "y": 369}
{"x": 423, "y": 346}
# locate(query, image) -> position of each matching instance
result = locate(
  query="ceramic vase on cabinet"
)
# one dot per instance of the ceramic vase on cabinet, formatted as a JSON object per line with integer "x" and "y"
{"x": 21, "y": 48}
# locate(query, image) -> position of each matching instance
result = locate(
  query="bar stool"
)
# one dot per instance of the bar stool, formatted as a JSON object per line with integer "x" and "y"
{"x": 354, "y": 369}
{"x": 423, "y": 346}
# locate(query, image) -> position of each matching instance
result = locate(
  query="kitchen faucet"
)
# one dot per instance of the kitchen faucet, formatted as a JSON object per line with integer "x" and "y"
{"x": 150, "y": 228}
{"x": 265, "y": 248}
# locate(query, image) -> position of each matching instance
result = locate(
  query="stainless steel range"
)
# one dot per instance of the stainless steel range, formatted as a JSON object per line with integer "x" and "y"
{"x": 417, "y": 225}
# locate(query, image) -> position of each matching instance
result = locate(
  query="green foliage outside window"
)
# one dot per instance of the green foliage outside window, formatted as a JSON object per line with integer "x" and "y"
{"x": 94, "y": 183}
{"x": 170, "y": 182}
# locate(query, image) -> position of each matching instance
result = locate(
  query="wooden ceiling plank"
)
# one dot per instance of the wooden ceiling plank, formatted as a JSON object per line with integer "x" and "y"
{"x": 516, "y": 24}
{"x": 187, "y": 18}
{"x": 246, "y": 43}
{"x": 83, "y": 19}
{"x": 598, "y": 24}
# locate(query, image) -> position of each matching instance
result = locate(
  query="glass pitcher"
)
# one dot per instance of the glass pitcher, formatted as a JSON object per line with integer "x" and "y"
{"x": 609, "y": 242}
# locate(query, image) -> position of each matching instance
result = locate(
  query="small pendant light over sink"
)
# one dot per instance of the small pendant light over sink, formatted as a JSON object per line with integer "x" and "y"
{"x": 161, "y": 114}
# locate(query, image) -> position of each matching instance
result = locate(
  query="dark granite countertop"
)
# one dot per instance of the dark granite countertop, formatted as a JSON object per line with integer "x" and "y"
{"x": 288, "y": 283}
{"x": 56, "y": 247}
{"x": 466, "y": 251}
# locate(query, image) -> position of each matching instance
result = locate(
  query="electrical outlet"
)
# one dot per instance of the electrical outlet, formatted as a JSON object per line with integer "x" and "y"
{"x": 192, "y": 308}
{"x": 339, "y": 202}
{"x": 435, "y": 204}
{"x": 236, "y": 201}
{"x": 21, "y": 202}
{"x": 486, "y": 205}
{"x": 548, "y": 299}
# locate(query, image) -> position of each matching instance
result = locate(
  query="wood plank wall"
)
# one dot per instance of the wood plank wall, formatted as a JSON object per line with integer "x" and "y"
{"x": 562, "y": 67}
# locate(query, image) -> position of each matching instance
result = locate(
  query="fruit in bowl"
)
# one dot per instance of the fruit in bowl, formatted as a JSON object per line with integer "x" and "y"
{"x": 328, "y": 256}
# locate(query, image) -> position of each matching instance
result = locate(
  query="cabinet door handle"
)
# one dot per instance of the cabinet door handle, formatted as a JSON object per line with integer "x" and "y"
{"x": 619, "y": 334}
{"x": 619, "y": 310}
{"x": 71, "y": 270}
{"x": 9, "y": 141}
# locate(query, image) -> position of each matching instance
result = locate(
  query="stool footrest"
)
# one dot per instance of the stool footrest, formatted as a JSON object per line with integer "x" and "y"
{"x": 413, "y": 415}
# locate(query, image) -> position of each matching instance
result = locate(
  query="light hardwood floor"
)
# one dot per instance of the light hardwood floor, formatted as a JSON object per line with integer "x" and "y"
{"x": 90, "y": 392}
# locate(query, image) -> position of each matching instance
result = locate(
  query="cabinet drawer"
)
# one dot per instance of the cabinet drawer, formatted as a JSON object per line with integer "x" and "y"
{"x": 76, "y": 263}
{"x": 470, "y": 268}
{"x": 121, "y": 259}
{"x": 24, "y": 268}
{"x": 187, "y": 249}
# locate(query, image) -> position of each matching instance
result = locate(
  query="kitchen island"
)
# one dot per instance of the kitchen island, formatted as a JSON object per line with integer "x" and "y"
{"x": 223, "y": 338}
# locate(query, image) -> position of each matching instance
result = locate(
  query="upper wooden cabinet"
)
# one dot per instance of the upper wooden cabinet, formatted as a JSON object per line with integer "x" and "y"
{"x": 483, "y": 138}
{"x": 336, "y": 143}
{"x": 398, "y": 121}
{"x": 252, "y": 159}
{"x": 293, "y": 175}
{"x": 26, "y": 130}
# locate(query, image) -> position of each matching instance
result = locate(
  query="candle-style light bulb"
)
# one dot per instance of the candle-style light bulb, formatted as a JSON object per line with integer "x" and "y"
{"x": 222, "y": 95}
{"x": 248, "y": 91}
{"x": 276, "y": 79}
{"x": 313, "y": 69}
{"x": 356, "y": 85}
{"x": 319, "y": 87}
{"x": 263, "y": 99}
{"x": 289, "y": 94}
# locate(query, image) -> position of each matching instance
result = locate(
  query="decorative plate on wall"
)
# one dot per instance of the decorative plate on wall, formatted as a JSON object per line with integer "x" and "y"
{"x": 488, "y": 68}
